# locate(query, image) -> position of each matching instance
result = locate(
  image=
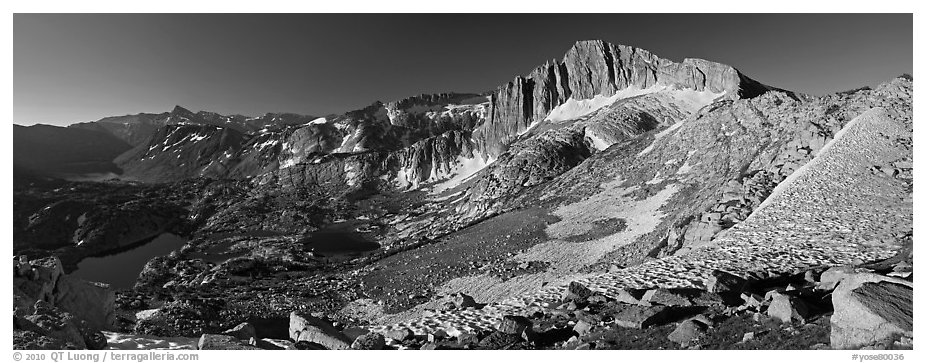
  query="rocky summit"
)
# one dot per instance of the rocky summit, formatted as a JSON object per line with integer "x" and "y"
{"x": 612, "y": 199}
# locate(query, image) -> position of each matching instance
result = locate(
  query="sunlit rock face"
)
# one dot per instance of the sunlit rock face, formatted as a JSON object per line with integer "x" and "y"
{"x": 597, "y": 68}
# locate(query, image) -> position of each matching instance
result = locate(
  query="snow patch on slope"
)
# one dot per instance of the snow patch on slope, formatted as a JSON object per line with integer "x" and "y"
{"x": 462, "y": 170}
{"x": 347, "y": 141}
{"x": 268, "y": 143}
{"x": 288, "y": 163}
{"x": 403, "y": 178}
{"x": 693, "y": 100}
{"x": 598, "y": 143}
{"x": 686, "y": 99}
{"x": 197, "y": 137}
{"x": 873, "y": 113}
{"x": 686, "y": 167}
{"x": 465, "y": 169}
{"x": 351, "y": 174}
{"x": 573, "y": 108}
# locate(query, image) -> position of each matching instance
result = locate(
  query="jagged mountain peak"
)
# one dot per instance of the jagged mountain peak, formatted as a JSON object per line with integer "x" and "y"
{"x": 621, "y": 66}
{"x": 180, "y": 110}
{"x": 593, "y": 69}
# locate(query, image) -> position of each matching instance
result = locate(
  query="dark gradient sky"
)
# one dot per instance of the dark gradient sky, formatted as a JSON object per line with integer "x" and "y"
{"x": 81, "y": 67}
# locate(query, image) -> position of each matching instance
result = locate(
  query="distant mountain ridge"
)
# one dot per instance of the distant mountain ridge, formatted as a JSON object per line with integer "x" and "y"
{"x": 133, "y": 129}
{"x": 592, "y": 74}
{"x": 136, "y": 129}
{"x": 95, "y": 147}
{"x": 59, "y": 151}
{"x": 194, "y": 145}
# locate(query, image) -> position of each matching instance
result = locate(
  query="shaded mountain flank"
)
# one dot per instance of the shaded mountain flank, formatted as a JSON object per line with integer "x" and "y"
{"x": 60, "y": 151}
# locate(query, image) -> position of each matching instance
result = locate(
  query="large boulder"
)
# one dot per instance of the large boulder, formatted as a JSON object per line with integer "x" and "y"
{"x": 687, "y": 332}
{"x": 681, "y": 297}
{"x": 461, "y": 301}
{"x": 514, "y": 325}
{"x": 244, "y": 331}
{"x": 304, "y": 327}
{"x": 369, "y": 341}
{"x": 34, "y": 281}
{"x": 577, "y": 291}
{"x": 582, "y": 328}
{"x": 95, "y": 340}
{"x": 831, "y": 277}
{"x": 60, "y": 325}
{"x": 91, "y": 301}
{"x": 628, "y": 296}
{"x": 665, "y": 297}
{"x": 871, "y": 310}
{"x": 399, "y": 334}
{"x": 787, "y": 308}
{"x": 44, "y": 280}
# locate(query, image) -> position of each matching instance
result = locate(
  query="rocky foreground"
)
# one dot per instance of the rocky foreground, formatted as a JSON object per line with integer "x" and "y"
{"x": 823, "y": 308}
{"x": 52, "y": 310}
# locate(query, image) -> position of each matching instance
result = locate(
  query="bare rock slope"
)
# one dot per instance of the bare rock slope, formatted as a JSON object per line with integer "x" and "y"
{"x": 833, "y": 211}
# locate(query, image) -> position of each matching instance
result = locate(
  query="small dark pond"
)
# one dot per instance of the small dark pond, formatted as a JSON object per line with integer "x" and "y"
{"x": 120, "y": 269}
{"x": 338, "y": 239}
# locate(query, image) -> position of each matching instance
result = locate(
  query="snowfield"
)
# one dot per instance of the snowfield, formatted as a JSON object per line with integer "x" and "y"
{"x": 466, "y": 168}
{"x": 573, "y": 108}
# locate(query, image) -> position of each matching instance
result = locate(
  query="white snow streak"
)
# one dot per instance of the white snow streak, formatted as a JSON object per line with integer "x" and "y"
{"x": 466, "y": 168}
{"x": 573, "y": 108}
